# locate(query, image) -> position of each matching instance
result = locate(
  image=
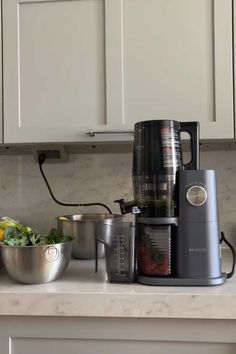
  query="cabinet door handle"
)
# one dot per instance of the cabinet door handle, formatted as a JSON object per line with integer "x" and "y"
{"x": 93, "y": 133}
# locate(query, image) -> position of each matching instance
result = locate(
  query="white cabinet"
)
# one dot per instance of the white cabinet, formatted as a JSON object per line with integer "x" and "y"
{"x": 1, "y": 118}
{"x": 57, "y": 69}
{"x": 32, "y": 335}
{"x": 96, "y": 346}
{"x": 177, "y": 63}
{"x": 74, "y": 65}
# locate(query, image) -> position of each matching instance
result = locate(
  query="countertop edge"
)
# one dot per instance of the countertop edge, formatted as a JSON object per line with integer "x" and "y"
{"x": 182, "y": 306}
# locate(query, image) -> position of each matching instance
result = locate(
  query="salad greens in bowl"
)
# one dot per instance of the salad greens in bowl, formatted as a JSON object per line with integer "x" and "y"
{"x": 22, "y": 235}
{"x": 31, "y": 257}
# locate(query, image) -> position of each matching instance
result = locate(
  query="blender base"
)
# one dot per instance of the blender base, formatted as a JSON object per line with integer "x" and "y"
{"x": 158, "y": 281}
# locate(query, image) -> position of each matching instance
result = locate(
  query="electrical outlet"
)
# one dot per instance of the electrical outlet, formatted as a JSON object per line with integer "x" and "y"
{"x": 53, "y": 153}
{"x": 9, "y": 149}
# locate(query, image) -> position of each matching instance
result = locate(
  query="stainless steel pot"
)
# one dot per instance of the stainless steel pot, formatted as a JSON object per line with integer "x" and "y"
{"x": 83, "y": 229}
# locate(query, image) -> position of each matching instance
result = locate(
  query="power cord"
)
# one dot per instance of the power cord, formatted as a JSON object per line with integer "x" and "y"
{"x": 41, "y": 160}
{"x": 223, "y": 238}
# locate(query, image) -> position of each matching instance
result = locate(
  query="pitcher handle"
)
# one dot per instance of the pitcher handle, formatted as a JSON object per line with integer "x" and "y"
{"x": 97, "y": 240}
{"x": 192, "y": 128}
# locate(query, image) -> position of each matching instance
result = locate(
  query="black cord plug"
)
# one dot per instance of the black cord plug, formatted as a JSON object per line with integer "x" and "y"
{"x": 41, "y": 158}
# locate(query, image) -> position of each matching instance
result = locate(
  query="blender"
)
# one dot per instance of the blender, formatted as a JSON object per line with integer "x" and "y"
{"x": 177, "y": 234}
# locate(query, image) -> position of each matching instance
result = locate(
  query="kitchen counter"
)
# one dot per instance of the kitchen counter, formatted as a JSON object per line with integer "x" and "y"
{"x": 80, "y": 292}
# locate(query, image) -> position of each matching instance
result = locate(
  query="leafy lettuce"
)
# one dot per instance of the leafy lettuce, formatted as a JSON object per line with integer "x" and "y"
{"x": 22, "y": 235}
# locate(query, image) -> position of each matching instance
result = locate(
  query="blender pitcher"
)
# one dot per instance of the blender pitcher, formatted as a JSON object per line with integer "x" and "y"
{"x": 157, "y": 156}
{"x": 118, "y": 240}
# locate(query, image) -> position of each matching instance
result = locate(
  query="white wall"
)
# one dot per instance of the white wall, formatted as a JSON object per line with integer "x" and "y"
{"x": 94, "y": 177}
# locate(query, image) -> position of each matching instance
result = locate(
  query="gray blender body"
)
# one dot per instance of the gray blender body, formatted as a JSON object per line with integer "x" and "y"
{"x": 198, "y": 236}
{"x": 197, "y": 239}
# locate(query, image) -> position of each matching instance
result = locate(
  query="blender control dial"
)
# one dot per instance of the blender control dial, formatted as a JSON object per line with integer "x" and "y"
{"x": 196, "y": 195}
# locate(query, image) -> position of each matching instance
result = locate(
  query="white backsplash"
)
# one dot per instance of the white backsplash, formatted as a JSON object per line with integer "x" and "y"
{"x": 94, "y": 178}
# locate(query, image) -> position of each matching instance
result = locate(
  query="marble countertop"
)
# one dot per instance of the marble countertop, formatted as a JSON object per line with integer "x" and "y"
{"x": 81, "y": 292}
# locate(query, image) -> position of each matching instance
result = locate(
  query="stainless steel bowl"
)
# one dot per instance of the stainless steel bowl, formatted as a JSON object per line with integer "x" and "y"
{"x": 1, "y": 264}
{"x": 36, "y": 264}
{"x": 83, "y": 229}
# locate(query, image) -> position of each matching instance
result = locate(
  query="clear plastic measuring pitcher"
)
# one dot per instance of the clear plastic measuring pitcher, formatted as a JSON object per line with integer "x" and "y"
{"x": 118, "y": 239}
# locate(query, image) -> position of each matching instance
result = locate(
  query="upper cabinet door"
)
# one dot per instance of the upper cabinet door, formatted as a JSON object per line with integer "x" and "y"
{"x": 177, "y": 63}
{"x": 55, "y": 75}
{"x": 74, "y": 65}
{"x": 1, "y": 118}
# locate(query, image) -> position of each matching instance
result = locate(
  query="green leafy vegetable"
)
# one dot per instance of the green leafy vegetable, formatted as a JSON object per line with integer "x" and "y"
{"x": 22, "y": 235}
{"x": 5, "y": 223}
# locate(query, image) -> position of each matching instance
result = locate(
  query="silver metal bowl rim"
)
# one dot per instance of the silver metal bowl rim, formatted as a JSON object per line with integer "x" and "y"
{"x": 38, "y": 246}
{"x": 109, "y": 217}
